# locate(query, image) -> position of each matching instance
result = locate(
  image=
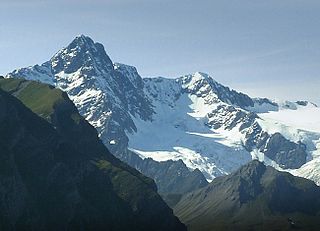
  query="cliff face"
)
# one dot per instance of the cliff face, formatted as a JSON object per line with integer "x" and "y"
{"x": 57, "y": 175}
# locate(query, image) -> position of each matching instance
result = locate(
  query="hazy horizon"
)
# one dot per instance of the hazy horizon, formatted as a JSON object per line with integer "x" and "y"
{"x": 266, "y": 49}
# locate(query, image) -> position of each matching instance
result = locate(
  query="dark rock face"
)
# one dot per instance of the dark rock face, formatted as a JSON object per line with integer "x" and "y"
{"x": 163, "y": 172}
{"x": 185, "y": 182}
{"x": 302, "y": 103}
{"x": 255, "y": 197}
{"x": 249, "y": 185}
{"x": 57, "y": 175}
{"x": 171, "y": 177}
{"x": 287, "y": 154}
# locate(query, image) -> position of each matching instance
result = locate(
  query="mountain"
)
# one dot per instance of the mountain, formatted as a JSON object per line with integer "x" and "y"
{"x": 109, "y": 96}
{"x": 172, "y": 188}
{"x": 100, "y": 92}
{"x": 57, "y": 175}
{"x": 199, "y": 121}
{"x": 192, "y": 118}
{"x": 255, "y": 197}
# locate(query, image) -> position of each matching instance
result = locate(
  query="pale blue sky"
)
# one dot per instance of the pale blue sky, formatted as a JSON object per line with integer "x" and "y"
{"x": 264, "y": 48}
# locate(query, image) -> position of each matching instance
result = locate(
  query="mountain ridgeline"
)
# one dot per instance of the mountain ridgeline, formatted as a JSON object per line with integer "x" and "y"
{"x": 57, "y": 175}
{"x": 192, "y": 118}
{"x": 109, "y": 96}
{"x": 255, "y": 197}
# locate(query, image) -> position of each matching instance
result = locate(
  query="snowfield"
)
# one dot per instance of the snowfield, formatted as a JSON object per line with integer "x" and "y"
{"x": 304, "y": 117}
{"x": 179, "y": 132}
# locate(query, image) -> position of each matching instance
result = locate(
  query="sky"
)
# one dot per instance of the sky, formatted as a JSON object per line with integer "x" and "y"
{"x": 263, "y": 48}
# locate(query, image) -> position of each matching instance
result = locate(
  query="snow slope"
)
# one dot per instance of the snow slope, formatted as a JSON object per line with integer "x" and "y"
{"x": 179, "y": 132}
{"x": 303, "y": 117}
{"x": 184, "y": 107}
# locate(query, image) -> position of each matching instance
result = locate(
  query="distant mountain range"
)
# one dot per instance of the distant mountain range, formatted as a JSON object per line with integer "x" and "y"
{"x": 189, "y": 129}
{"x": 57, "y": 175}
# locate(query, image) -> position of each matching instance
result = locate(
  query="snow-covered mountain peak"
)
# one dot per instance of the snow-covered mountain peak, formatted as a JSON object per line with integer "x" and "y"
{"x": 197, "y": 77}
{"x": 82, "y": 41}
{"x": 198, "y": 83}
{"x": 82, "y": 53}
{"x": 202, "y": 85}
{"x": 107, "y": 95}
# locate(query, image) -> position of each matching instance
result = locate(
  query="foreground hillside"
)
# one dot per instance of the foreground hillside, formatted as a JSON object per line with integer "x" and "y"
{"x": 255, "y": 197}
{"x": 57, "y": 175}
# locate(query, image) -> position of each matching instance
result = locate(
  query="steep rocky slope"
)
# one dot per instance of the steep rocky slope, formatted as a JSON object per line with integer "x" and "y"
{"x": 255, "y": 197}
{"x": 110, "y": 96}
{"x": 57, "y": 175}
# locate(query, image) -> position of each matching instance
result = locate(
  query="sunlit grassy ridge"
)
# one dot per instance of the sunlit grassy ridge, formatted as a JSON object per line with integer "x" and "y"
{"x": 40, "y": 98}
